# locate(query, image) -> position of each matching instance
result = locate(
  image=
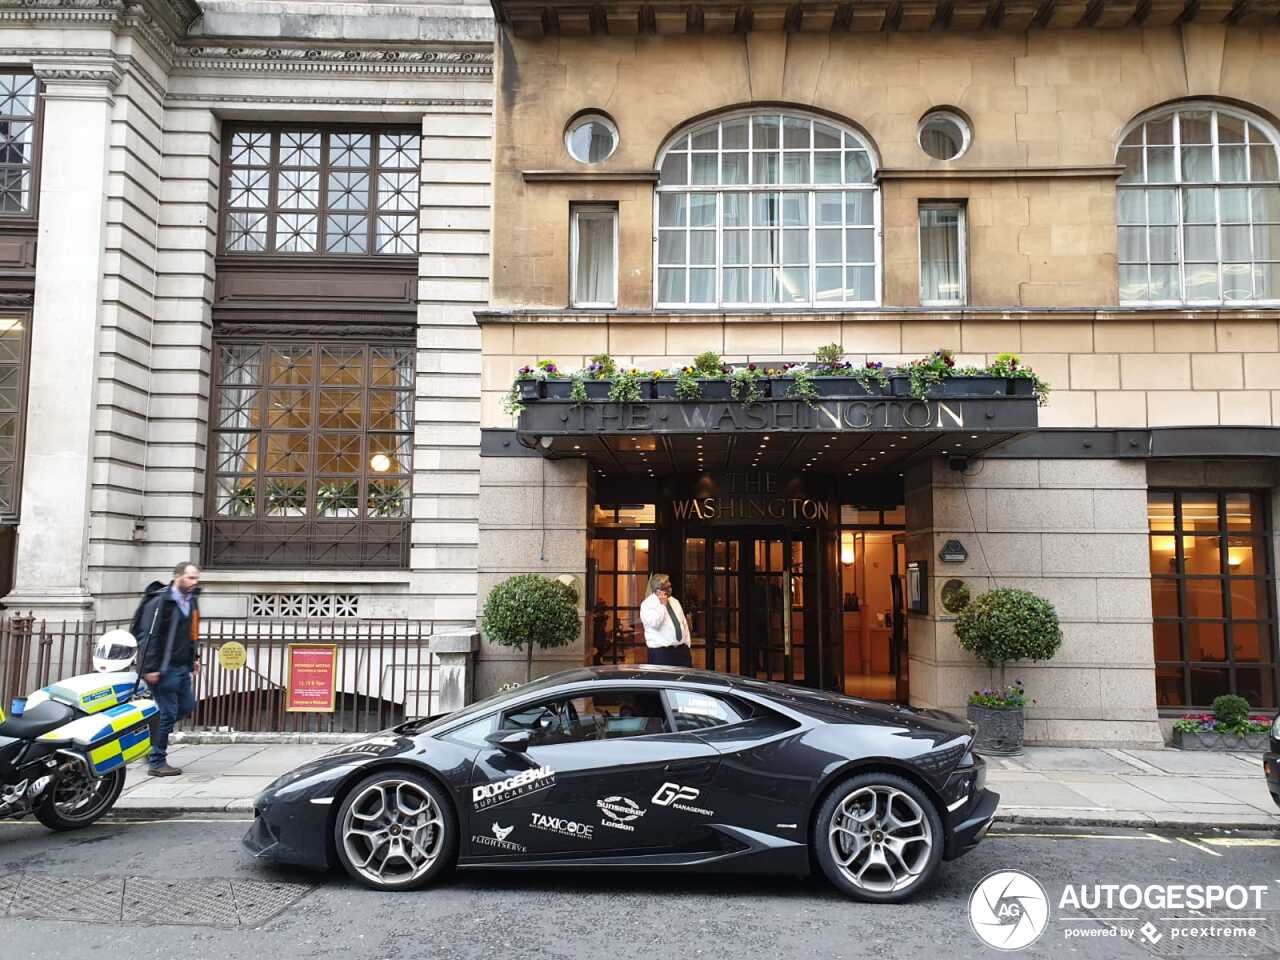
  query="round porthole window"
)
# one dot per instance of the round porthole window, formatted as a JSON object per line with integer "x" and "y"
{"x": 591, "y": 138}
{"x": 944, "y": 135}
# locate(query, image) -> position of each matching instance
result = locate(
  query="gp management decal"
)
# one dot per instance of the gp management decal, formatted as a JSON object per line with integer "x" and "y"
{"x": 486, "y": 795}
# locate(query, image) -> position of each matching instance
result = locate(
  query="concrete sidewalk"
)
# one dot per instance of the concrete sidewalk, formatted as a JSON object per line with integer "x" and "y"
{"x": 1048, "y": 785}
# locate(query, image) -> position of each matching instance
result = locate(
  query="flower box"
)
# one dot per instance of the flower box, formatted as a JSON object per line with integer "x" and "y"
{"x": 844, "y": 387}
{"x": 529, "y": 389}
{"x": 1212, "y": 740}
{"x": 1000, "y": 732}
{"x": 1022, "y": 387}
{"x": 959, "y": 387}
{"x": 665, "y": 389}
{"x": 596, "y": 389}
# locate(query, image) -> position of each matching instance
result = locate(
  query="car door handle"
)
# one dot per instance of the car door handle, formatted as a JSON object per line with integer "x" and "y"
{"x": 678, "y": 766}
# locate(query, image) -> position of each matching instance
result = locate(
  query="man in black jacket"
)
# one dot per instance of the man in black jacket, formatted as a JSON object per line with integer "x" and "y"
{"x": 167, "y": 638}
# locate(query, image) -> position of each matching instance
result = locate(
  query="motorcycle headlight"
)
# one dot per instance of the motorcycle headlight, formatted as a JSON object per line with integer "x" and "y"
{"x": 1275, "y": 728}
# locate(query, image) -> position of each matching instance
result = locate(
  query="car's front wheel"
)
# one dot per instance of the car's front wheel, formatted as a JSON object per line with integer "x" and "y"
{"x": 878, "y": 837}
{"x": 395, "y": 830}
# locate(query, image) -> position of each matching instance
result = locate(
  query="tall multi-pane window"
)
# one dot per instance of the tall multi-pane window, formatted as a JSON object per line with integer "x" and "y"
{"x": 13, "y": 356}
{"x": 1212, "y": 597}
{"x": 595, "y": 255}
{"x": 17, "y": 142}
{"x": 312, "y": 452}
{"x": 764, "y": 209}
{"x": 321, "y": 192}
{"x": 619, "y": 562}
{"x": 1199, "y": 208}
{"x": 942, "y": 253}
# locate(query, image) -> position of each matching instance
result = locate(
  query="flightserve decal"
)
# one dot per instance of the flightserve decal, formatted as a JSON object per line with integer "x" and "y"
{"x": 567, "y": 828}
{"x": 618, "y": 812}
{"x": 499, "y": 840}
{"x": 487, "y": 795}
{"x": 674, "y": 796}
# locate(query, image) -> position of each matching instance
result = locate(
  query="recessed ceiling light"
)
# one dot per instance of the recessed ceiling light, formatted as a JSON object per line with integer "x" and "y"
{"x": 903, "y": 437}
{"x": 576, "y": 447}
{"x": 766, "y": 436}
{"x": 826, "y": 446}
{"x": 893, "y": 444}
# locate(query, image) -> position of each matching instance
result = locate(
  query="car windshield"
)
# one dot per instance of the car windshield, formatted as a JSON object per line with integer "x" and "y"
{"x": 427, "y": 724}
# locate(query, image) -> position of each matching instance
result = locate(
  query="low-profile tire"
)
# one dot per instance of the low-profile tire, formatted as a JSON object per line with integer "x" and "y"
{"x": 76, "y": 800}
{"x": 395, "y": 830}
{"x": 878, "y": 837}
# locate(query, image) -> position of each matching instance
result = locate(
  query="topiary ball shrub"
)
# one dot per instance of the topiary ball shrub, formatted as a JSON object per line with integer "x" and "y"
{"x": 1007, "y": 624}
{"x": 528, "y": 610}
{"x": 1230, "y": 710}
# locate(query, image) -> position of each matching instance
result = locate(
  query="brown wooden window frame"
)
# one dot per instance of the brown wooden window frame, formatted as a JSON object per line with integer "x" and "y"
{"x": 1263, "y": 583}
{"x": 280, "y": 528}
{"x": 276, "y": 159}
{"x": 18, "y": 373}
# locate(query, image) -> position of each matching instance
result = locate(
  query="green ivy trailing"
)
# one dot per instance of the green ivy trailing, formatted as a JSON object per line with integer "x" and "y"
{"x": 802, "y": 387}
{"x": 1009, "y": 365}
{"x": 687, "y": 385}
{"x": 512, "y": 405}
{"x": 744, "y": 384}
{"x": 872, "y": 377}
{"x": 625, "y": 387}
{"x": 927, "y": 372}
{"x": 578, "y": 389}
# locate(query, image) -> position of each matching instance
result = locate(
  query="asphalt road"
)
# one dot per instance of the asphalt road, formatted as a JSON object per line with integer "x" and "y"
{"x": 68, "y": 896}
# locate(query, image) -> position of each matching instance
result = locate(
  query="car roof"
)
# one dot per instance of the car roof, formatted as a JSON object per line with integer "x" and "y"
{"x": 645, "y": 671}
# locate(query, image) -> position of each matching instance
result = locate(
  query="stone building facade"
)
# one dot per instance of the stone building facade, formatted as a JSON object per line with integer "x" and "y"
{"x": 241, "y": 244}
{"x": 1088, "y": 165}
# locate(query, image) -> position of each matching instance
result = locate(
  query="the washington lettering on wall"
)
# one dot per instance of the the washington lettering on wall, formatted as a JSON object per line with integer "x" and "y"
{"x": 749, "y": 496}
{"x": 780, "y": 415}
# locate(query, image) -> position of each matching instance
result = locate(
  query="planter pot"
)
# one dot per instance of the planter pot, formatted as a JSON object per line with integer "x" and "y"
{"x": 597, "y": 389}
{"x": 715, "y": 389}
{"x": 780, "y": 386}
{"x": 1022, "y": 387}
{"x": 956, "y": 387}
{"x": 1249, "y": 743}
{"x": 763, "y": 386}
{"x": 843, "y": 387}
{"x": 999, "y": 731}
{"x": 529, "y": 389}
{"x": 664, "y": 389}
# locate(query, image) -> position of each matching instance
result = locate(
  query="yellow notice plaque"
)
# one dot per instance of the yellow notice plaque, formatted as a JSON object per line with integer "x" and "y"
{"x": 231, "y": 655}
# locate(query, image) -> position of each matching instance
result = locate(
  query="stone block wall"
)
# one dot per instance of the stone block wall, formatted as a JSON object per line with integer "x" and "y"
{"x": 1074, "y": 532}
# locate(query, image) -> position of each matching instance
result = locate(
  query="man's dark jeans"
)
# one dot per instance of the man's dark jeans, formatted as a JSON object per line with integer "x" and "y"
{"x": 175, "y": 699}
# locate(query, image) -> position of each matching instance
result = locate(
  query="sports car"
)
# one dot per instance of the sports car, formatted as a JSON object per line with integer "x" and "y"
{"x": 642, "y": 768}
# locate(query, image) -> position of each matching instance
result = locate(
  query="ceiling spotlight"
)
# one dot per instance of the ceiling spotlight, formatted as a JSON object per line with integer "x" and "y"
{"x": 576, "y": 447}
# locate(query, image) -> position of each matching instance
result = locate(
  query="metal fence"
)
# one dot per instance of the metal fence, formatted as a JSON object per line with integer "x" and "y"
{"x": 384, "y": 670}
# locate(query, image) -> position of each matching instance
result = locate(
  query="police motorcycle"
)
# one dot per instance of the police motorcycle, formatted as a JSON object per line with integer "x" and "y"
{"x": 63, "y": 751}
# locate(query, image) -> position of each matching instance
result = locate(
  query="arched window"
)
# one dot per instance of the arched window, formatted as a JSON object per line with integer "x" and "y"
{"x": 1198, "y": 208}
{"x": 767, "y": 209}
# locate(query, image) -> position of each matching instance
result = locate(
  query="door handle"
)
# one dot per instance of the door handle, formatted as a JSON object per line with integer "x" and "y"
{"x": 677, "y": 766}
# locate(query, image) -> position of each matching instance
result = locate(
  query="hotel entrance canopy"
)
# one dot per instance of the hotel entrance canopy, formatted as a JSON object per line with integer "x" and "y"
{"x": 861, "y": 437}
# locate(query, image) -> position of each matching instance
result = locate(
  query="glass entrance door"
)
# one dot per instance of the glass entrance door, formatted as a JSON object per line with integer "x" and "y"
{"x": 747, "y": 598}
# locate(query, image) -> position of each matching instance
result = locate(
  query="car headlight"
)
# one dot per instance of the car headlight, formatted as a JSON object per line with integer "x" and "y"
{"x": 1275, "y": 728}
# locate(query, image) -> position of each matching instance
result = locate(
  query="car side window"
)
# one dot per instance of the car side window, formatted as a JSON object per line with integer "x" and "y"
{"x": 695, "y": 711}
{"x": 473, "y": 733}
{"x": 603, "y": 716}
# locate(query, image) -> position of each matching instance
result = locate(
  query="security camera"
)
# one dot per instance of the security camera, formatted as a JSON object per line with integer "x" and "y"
{"x": 958, "y": 464}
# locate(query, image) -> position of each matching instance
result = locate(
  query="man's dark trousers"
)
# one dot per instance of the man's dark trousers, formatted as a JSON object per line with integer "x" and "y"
{"x": 175, "y": 699}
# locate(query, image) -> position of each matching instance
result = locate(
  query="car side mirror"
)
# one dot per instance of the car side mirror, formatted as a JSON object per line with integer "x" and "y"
{"x": 513, "y": 741}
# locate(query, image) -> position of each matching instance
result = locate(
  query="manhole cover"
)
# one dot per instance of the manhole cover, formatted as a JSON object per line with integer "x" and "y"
{"x": 45, "y": 897}
{"x": 203, "y": 902}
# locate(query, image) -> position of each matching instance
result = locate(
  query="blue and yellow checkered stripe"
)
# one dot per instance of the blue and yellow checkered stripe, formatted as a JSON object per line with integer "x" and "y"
{"x": 121, "y": 750}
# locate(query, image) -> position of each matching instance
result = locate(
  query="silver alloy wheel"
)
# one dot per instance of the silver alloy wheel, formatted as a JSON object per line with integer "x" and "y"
{"x": 880, "y": 839}
{"x": 77, "y": 796}
{"x": 393, "y": 832}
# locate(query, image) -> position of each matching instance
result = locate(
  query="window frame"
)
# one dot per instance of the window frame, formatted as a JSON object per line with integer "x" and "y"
{"x": 1178, "y": 185}
{"x": 669, "y": 694}
{"x": 310, "y": 527}
{"x": 1268, "y": 625}
{"x": 593, "y": 691}
{"x": 23, "y": 315}
{"x": 29, "y": 217}
{"x": 322, "y": 210}
{"x": 962, "y": 228}
{"x": 811, "y": 189}
{"x": 591, "y": 210}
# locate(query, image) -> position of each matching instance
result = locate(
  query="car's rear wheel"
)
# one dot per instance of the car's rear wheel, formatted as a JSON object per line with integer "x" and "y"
{"x": 395, "y": 830}
{"x": 878, "y": 837}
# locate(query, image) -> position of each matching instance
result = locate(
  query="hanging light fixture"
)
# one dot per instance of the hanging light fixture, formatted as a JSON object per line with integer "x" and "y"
{"x": 846, "y": 548}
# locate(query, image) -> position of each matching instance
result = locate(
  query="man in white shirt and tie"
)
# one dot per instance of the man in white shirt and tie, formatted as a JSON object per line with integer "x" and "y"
{"x": 666, "y": 631}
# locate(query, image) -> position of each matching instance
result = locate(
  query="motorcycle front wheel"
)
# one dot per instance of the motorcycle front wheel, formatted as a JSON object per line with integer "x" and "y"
{"x": 75, "y": 799}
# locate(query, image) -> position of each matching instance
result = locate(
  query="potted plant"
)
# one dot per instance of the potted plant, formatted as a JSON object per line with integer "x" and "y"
{"x": 1000, "y": 626}
{"x": 528, "y": 383}
{"x": 629, "y": 386}
{"x": 709, "y": 369}
{"x": 837, "y": 377}
{"x": 530, "y": 610}
{"x": 597, "y": 376}
{"x": 1228, "y": 727}
{"x": 1022, "y": 381}
{"x": 748, "y": 384}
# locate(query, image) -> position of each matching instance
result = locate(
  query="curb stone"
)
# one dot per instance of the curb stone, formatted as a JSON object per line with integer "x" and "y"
{"x": 231, "y": 736}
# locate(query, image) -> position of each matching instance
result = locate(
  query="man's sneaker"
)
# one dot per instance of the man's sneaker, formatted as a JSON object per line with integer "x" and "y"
{"x": 163, "y": 770}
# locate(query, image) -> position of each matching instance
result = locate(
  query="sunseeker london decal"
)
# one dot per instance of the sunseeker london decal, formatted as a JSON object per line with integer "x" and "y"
{"x": 618, "y": 812}
{"x": 676, "y": 797}
{"x": 566, "y": 828}
{"x": 487, "y": 795}
{"x": 499, "y": 840}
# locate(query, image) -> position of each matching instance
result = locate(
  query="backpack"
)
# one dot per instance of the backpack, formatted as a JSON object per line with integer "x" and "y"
{"x": 136, "y": 625}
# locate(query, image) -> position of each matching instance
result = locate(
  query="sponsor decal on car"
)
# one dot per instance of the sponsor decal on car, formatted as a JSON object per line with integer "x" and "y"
{"x": 499, "y": 840}
{"x": 487, "y": 795}
{"x": 618, "y": 812}
{"x": 675, "y": 796}
{"x": 567, "y": 828}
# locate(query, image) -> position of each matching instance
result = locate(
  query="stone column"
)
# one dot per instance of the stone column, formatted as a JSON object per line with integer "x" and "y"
{"x": 50, "y": 575}
{"x": 455, "y": 670}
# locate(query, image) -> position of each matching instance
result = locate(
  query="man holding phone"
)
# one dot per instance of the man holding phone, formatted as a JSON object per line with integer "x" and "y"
{"x": 666, "y": 631}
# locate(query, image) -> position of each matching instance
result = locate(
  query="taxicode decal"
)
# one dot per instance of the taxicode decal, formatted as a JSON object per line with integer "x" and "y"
{"x": 675, "y": 796}
{"x": 486, "y": 795}
{"x": 566, "y": 828}
{"x": 618, "y": 812}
